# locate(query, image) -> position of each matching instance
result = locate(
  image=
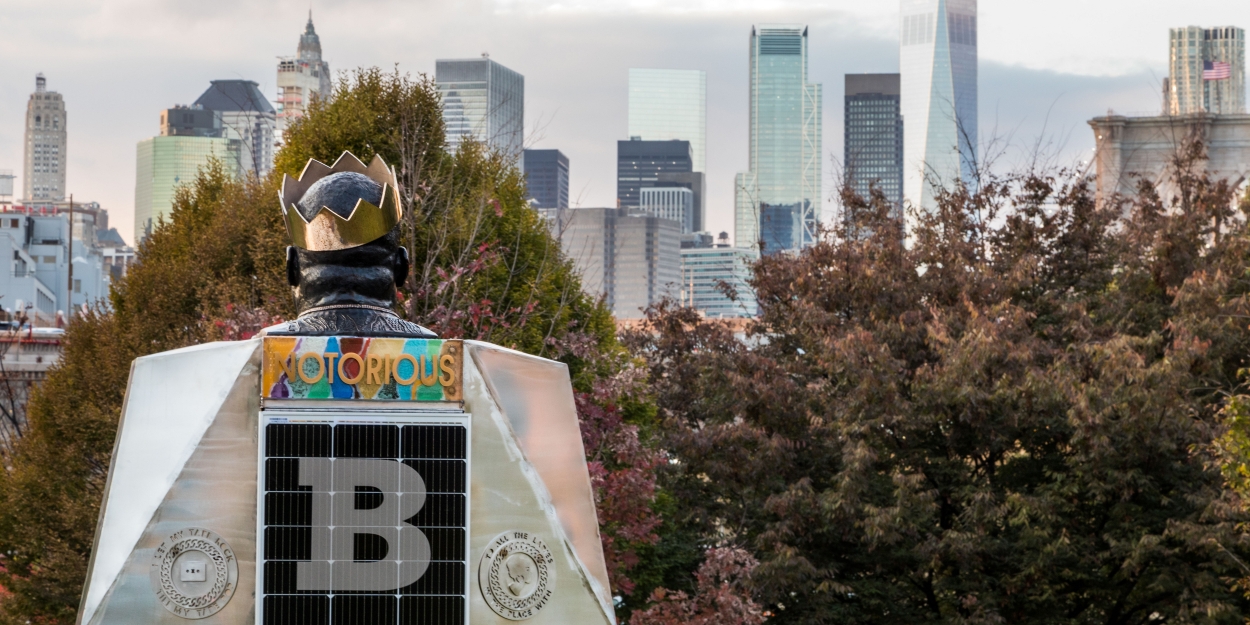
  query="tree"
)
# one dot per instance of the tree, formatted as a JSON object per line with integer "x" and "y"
{"x": 720, "y": 599}
{"x": 1009, "y": 420}
{"x": 485, "y": 268}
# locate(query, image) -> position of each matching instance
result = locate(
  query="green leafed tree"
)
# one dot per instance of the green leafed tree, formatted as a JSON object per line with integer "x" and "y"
{"x": 1009, "y": 420}
{"x": 485, "y": 268}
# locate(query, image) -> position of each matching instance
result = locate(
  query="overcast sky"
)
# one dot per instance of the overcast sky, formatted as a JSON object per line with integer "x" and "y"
{"x": 1045, "y": 68}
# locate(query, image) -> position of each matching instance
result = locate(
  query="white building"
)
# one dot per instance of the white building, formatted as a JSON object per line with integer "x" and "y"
{"x": 704, "y": 269}
{"x": 247, "y": 117}
{"x": 37, "y": 242}
{"x": 44, "y": 176}
{"x": 484, "y": 100}
{"x": 631, "y": 258}
{"x": 301, "y": 78}
{"x": 938, "y": 99}
{"x": 1206, "y": 71}
{"x": 673, "y": 203}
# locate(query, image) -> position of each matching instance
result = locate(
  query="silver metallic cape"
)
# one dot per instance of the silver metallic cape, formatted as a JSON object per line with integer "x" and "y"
{"x": 186, "y": 456}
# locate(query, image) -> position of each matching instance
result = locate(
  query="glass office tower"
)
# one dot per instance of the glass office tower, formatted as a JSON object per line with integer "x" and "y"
{"x": 484, "y": 100}
{"x": 873, "y": 136}
{"x": 778, "y": 201}
{"x": 670, "y": 104}
{"x": 1206, "y": 71}
{"x": 938, "y": 95}
{"x": 163, "y": 163}
{"x": 547, "y": 178}
{"x": 658, "y": 164}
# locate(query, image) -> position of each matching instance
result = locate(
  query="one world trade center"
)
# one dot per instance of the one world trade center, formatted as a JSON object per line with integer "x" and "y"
{"x": 938, "y": 96}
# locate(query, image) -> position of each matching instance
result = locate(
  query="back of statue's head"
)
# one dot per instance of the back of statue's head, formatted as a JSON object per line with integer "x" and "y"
{"x": 340, "y": 193}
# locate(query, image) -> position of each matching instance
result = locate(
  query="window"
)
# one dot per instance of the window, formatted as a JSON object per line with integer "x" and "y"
{"x": 51, "y": 260}
{"x": 13, "y": 223}
{"x": 78, "y": 286}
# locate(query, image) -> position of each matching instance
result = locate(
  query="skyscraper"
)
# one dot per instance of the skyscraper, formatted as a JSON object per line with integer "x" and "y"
{"x": 670, "y": 104}
{"x": 188, "y": 138}
{"x": 547, "y": 177}
{"x": 484, "y": 100}
{"x": 1206, "y": 71}
{"x": 778, "y": 201}
{"x": 658, "y": 165}
{"x": 672, "y": 203}
{"x": 44, "y": 177}
{"x": 705, "y": 268}
{"x": 246, "y": 116}
{"x": 630, "y": 257}
{"x": 873, "y": 136}
{"x": 938, "y": 95}
{"x": 301, "y": 78}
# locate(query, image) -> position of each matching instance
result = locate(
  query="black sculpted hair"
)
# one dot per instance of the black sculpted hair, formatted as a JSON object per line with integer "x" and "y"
{"x": 365, "y": 274}
{"x": 339, "y": 193}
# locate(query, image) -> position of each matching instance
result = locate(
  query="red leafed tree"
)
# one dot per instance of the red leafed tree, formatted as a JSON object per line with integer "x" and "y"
{"x": 622, "y": 471}
{"x": 720, "y": 598}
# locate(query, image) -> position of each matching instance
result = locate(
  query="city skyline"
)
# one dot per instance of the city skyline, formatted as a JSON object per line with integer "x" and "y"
{"x": 1024, "y": 90}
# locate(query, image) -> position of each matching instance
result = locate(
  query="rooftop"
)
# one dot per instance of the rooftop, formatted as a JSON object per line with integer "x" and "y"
{"x": 234, "y": 95}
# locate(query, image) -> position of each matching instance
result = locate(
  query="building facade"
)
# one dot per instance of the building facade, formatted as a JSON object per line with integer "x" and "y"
{"x": 163, "y": 163}
{"x": 631, "y": 258}
{"x": 483, "y": 100}
{"x": 301, "y": 78}
{"x": 704, "y": 269}
{"x": 938, "y": 95}
{"x": 547, "y": 178}
{"x": 37, "y": 240}
{"x": 43, "y": 178}
{"x": 6, "y": 187}
{"x": 644, "y": 164}
{"x": 646, "y": 262}
{"x": 672, "y": 203}
{"x": 784, "y": 175}
{"x": 1206, "y": 71}
{"x": 190, "y": 121}
{"x": 247, "y": 117}
{"x": 1130, "y": 149}
{"x": 670, "y": 104}
{"x": 873, "y": 136}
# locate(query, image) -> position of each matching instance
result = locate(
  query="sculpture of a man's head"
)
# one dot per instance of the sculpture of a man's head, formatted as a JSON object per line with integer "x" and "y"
{"x": 345, "y": 262}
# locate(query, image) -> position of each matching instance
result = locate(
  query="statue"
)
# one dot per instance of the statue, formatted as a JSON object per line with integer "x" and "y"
{"x": 346, "y": 261}
{"x": 348, "y": 465}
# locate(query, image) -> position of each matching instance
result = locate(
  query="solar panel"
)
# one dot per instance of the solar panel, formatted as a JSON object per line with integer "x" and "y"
{"x": 364, "y": 518}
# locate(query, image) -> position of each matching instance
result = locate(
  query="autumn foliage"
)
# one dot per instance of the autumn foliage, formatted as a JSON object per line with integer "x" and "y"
{"x": 1007, "y": 419}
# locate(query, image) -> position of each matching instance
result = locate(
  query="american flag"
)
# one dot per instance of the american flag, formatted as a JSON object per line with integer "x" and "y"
{"x": 1216, "y": 70}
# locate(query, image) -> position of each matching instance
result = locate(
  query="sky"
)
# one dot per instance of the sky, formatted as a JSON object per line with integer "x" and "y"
{"x": 1045, "y": 68}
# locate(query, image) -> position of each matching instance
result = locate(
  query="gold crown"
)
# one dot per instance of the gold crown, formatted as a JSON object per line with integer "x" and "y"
{"x": 327, "y": 231}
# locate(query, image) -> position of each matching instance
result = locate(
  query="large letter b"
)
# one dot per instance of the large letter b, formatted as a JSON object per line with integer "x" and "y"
{"x": 337, "y": 522}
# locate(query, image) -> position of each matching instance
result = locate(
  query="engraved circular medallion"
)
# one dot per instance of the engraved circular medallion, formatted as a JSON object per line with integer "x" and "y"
{"x": 194, "y": 573}
{"x": 516, "y": 575}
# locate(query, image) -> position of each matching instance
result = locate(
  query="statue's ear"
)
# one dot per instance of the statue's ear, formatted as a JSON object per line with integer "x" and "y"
{"x": 292, "y": 265}
{"x": 402, "y": 265}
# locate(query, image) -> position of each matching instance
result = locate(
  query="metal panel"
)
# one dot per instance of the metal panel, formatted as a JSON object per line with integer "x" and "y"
{"x": 189, "y": 415}
{"x": 536, "y": 395}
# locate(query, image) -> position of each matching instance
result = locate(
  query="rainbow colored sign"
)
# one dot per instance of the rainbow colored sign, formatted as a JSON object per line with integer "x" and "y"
{"x": 348, "y": 367}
